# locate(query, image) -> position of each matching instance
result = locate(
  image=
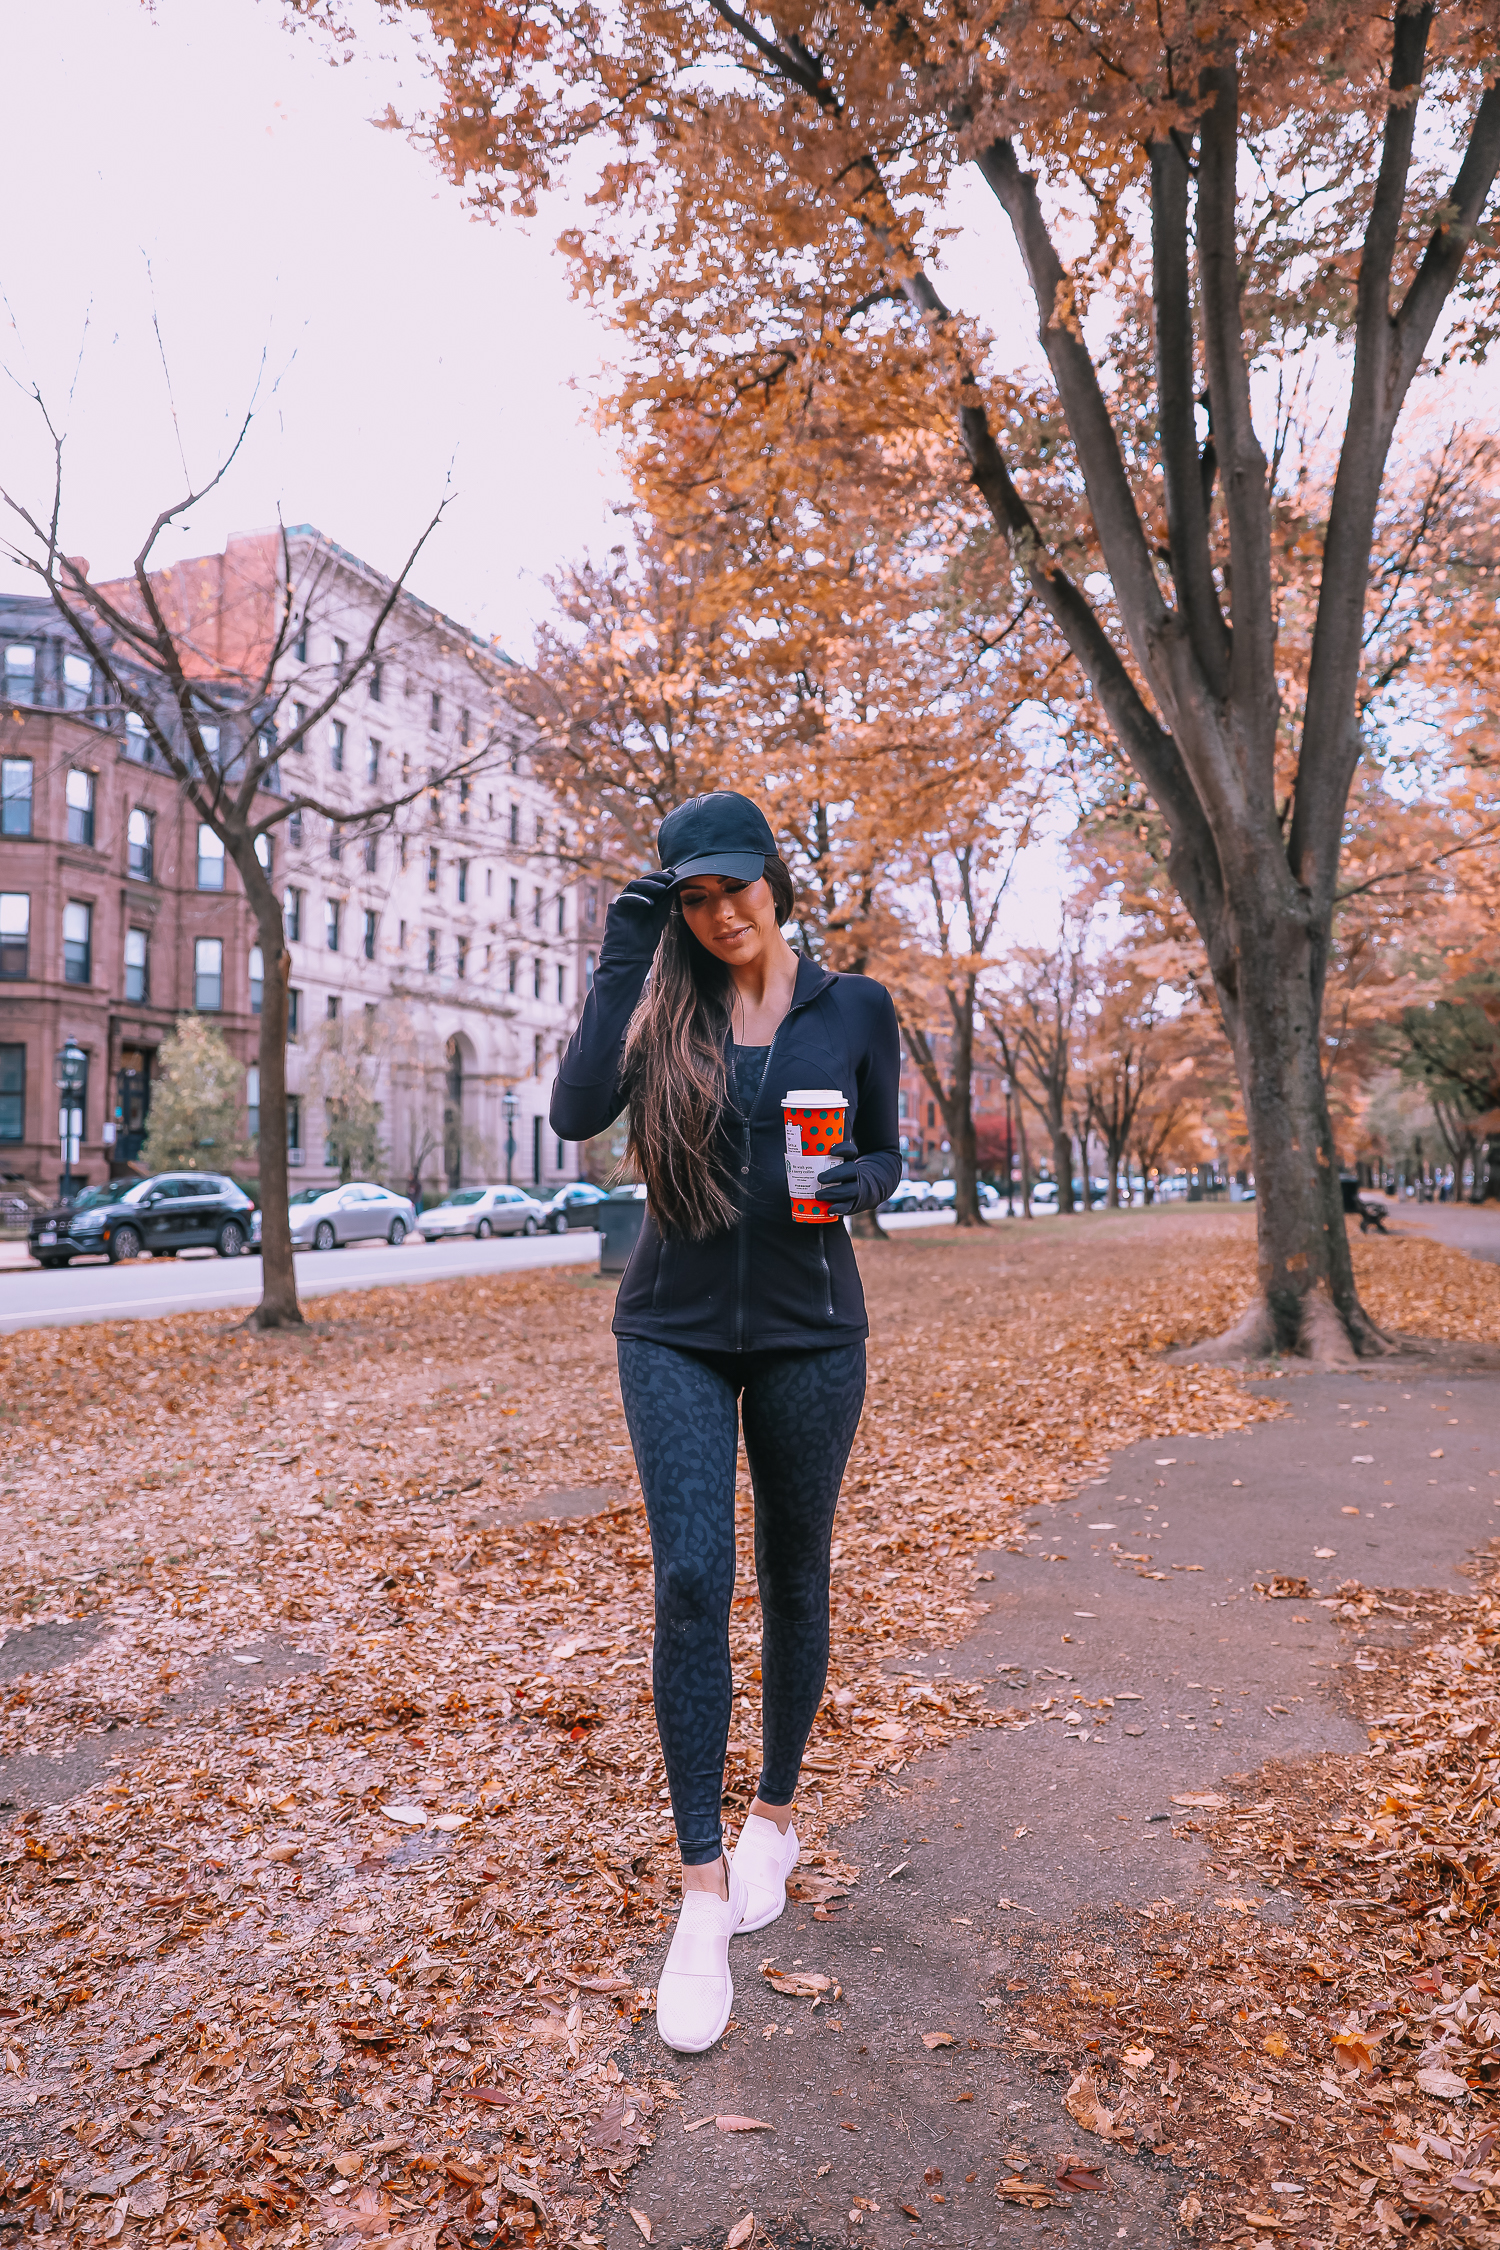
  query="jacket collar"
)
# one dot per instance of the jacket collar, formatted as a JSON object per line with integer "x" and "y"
{"x": 812, "y": 979}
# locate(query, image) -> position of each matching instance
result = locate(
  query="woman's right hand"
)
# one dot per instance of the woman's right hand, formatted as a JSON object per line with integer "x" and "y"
{"x": 636, "y": 919}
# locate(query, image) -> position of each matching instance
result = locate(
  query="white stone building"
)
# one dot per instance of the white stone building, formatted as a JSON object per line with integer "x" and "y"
{"x": 441, "y": 955}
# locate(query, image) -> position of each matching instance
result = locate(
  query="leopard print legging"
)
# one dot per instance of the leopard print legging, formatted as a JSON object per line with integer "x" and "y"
{"x": 801, "y": 1410}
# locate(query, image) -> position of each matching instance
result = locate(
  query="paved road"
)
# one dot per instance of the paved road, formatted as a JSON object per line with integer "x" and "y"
{"x": 30, "y": 1298}
{"x": 1474, "y": 1227}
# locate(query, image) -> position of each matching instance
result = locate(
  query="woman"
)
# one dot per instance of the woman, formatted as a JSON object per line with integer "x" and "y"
{"x": 701, "y": 1019}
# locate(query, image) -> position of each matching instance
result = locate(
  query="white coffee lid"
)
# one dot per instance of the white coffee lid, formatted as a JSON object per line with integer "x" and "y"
{"x": 816, "y": 1097}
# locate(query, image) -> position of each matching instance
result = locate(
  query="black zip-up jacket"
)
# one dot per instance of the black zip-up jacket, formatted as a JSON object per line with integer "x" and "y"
{"x": 766, "y": 1284}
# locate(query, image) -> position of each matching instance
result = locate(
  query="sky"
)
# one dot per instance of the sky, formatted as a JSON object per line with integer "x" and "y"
{"x": 218, "y": 179}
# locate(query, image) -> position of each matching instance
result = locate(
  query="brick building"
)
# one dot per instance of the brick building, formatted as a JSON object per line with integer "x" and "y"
{"x": 116, "y": 911}
{"x": 924, "y": 1137}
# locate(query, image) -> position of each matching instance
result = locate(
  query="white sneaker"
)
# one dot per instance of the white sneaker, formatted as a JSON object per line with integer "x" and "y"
{"x": 695, "y": 1992}
{"x": 763, "y": 1859}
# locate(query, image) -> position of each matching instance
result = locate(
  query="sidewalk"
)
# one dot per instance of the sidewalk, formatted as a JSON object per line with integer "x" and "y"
{"x": 1474, "y": 1227}
{"x": 978, "y": 1866}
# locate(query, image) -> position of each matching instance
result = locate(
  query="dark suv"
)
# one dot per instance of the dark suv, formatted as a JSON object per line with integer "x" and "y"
{"x": 172, "y": 1211}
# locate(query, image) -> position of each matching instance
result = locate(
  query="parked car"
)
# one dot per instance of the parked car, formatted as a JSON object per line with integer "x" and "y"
{"x": 945, "y": 1194}
{"x": 1044, "y": 1195}
{"x": 572, "y": 1206}
{"x": 481, "y": 1212}
{"x": 171, "y": 1211}
{"x": 911, "y": 1195}
{"x": 327, "y": 1218}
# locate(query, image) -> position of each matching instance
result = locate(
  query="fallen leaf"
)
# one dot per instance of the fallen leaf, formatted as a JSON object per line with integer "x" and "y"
{"x": 1080, "y": 2176}
{"x": 409, "y": 1816}
{"x": 1136, "y": 2058}
{"x": 131, "y": 2058}
{"x": 931, "y": 2039}
{"x": 743, "y": 2125}
{"x": 797, "y": 1984}
{"x": 1277, "y": 2043}
{"x": 1083, "y": 2105}
{"x": 497, "y": 2096}
{"x": 1190, "y": 2209}
{"x": 643, "y": 2223}
{"x": 1355, "y": 2050}
{"x": 449, "y": 1821}
{"x": 1444, "y": 2085}
{"x": 740, "y": 2232}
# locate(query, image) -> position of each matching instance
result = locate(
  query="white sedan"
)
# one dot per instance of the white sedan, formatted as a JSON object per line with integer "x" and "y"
{"x": 359, "y": 1211}
{"x": 482, "y": 1211}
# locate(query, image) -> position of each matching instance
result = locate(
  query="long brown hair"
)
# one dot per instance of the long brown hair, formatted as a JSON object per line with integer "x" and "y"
{"x": 674, "y": 1076}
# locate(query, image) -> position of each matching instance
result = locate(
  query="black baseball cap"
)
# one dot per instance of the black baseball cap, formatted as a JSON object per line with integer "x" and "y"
{"x": 718, "y": 834}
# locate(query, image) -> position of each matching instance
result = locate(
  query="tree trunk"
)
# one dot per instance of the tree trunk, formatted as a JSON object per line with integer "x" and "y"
{"x": 1115, "y": 1151}
{"x": 278, "y": 1307}
{"x": 1270, "y": 993}
{"x": 865, "y": 1227}
{"x": 1026, "y": 1210}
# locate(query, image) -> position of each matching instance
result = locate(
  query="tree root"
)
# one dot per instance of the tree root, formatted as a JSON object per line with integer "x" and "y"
{"x": 1323, "y": 1337}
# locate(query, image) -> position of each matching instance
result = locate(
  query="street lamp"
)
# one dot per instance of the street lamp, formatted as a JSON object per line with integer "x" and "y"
{"x": 512, "y": 1107}
{"x": 72, "y": 1078}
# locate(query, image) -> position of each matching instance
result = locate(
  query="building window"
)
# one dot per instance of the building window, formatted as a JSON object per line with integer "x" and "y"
{"x": 78, "y": 683}
{"x": 591, "y": 904}
{"x": 536, "y": 1059}
{"x": 252, "y": 1101}
{"x": 137, "y": 740}
{"x": 432, "y": 870}
{"x": 463, "y": 801}
{"x": 20, "y": 673}
{"x": 515, "y": 898}
{"x": 401, "y": 937}
{"x": 294, "y": 1124}
{"x": 901, "y": 1105}
{"x": 336, "y": 745}
{"x": 335, "y": 841}
{"x": 515, "y": 824}
{"x": 257, "y": 980}
{"x": 588, "y": 972}
{"x": 137, "y": 966}
{"x": 291, "y": 916}
{"x": 401, "y": 853}
{"x": 538, "y": 828}
{"x": 514, "y": 970}
{"x": 463, "y": 882}
{"x": 340, "y": 655}
{"x": 140, "y": 844}
{"x": 370, "y": 927}
{"x": 15, "y": 933}
{"x": 536, "y": 909}
{"x": 431, "y": 952}
{"x": 79, "y": 790}
{"x": 12, "y": 1092}
{"x": 562, "y": 985}
{"x": 210, "y": 859}
{"x": 333, "y": 1008}
{"x": 435, "y": 714}
{"x": 299, "y": 645}
{"x": 293, "y": 1012}
{"x": 489, "y": 882}
{"x": 463, "y": 731}
{"x": 463, "y": 956}
{"x": 377, "y": 675}
{"x": 562, "y": 917}
{"x": 372, "y": 760}
{"x": 78, "y": 942}
{"x": 265, "y": 852}
{"x": 15, "y": 797}
{"x": 332, "y": 909}
{"x": 294, "y": 829}
{"x": 208, "y": 974}
{"x": 208, "y": 735}
{"x": 299, "y": 721}
{"x": 931, "y": 1115}
{"x": 536, "y": 980}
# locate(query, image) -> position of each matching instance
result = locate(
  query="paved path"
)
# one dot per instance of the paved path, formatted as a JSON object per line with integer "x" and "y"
{"x": 1065, "y": 1827}
{"x": 144, "y": 1289}
{"x": 1474, "y": 1227}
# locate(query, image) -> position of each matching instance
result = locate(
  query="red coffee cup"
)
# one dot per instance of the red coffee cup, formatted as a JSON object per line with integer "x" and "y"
{"x": 814, "y": 1120}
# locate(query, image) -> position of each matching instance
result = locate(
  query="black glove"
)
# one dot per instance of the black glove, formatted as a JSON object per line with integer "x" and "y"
{"x": 636, "y": 919}
{"x": 839, "y": 1188}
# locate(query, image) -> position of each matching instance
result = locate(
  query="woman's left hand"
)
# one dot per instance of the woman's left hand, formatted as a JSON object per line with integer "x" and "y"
{"x": 839, "y": 1188}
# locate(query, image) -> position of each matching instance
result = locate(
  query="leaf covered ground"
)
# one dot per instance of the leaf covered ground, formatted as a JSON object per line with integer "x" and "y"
{"x": 353, "y": 1855}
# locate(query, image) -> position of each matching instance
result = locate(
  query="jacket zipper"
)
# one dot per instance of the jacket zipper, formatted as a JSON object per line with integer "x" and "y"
{"x": 745, "y": 1159}
{"x": 827, "y": 1277}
